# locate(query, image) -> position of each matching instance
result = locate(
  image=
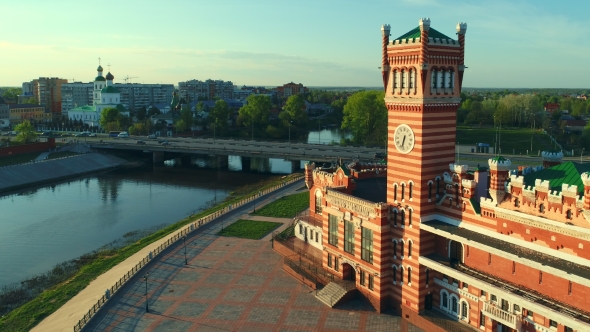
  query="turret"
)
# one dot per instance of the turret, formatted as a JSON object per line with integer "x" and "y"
{"x": 586, "y": 181}
{"x": 424, "y": 24}
{"x": 461, "y": 30}
{"x": 551, "y": 158}
{"x": 498, "y": 176}
{"x": 309, "y": 167}
{"x": 385, "y": 28}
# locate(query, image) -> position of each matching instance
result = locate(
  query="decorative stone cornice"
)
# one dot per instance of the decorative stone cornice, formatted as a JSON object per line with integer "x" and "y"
{"x": 357, "y": 205}
{"x": 537, "y": 222}
{"x": 456, "y": 289}
{"x": 459, "y": 169}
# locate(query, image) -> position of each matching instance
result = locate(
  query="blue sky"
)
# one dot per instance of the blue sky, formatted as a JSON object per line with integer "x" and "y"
{"x": 514, "y": 43}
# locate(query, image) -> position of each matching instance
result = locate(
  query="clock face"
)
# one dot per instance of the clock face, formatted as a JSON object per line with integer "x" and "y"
{"x": 403, "y": 138}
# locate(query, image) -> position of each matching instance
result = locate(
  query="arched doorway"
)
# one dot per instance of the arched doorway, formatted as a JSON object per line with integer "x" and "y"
{"x": 348, "y": 272}
{"x": 455, "y": 251}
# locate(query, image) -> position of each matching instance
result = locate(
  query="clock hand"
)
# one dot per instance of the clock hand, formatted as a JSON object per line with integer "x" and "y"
{"x": 404, "y": 141}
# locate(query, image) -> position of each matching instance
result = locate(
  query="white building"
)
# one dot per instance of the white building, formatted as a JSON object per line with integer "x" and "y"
{"x": 104, "y": 95}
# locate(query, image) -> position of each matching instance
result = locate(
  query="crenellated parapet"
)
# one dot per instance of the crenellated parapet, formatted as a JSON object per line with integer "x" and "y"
{"x": 470, "y": 184}
{"x": 357, "y": 205}
{"x": 461, "y": 28}
{"x": 542, "y": 185}
{"x": 459, "y": 169}
{"x": 517, "y": 181}
{"x": 586, "y": 179}
{"x": 309, "y": 167}
{"x": 569, "y": 190}
{"x": 424, "y": 23}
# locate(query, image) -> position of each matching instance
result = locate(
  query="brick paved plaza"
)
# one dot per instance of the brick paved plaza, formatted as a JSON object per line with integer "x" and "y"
{"x": 229, "y": 284}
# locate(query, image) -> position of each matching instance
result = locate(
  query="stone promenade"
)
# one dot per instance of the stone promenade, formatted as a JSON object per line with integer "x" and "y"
{"x": 229, "y": 284}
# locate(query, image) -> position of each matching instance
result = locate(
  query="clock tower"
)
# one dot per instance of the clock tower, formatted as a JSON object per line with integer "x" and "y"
{"x": 422, "y": 73}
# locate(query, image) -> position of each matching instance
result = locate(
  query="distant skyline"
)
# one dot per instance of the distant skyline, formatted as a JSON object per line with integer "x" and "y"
{"x": 512, "y": 44}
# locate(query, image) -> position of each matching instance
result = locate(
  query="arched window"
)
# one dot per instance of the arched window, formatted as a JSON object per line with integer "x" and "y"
{"x": 427, "y": 276}
{"x": 395, "y": 274}
{"x": 410, "y": 217}
{"x": 401, "y": 248}
{"x": 568, "y": 214}
{"x": 394, "y": 217}
{"x": 447, "y": 79}
{"x": 412, "y": 78}
{"x": 452, "y": 80}
{"x": 444, "y": 299}
{"x": 318, "y": 202}
{"x": 403, "y": 190}
{"x": 403, "y": 217}
{"x": 542, "y": 208}
{"x": 394, "y": 248}
{"x": 439, "y": 79}
{"x": 410, "y": 185}
{"x": 454, "y": 305}
{"x": 516, "y": 202}
{"x": 395, "y": 192}
{"x": 464, "y": 310}
{"x": 404, "y": 79}
{"x": 401, "y": 274}
{"x": 396, "y": 81}
{"x": 433, "y": 79}
{"x": 409, "y": 275}
{"x": 410, "y": 249}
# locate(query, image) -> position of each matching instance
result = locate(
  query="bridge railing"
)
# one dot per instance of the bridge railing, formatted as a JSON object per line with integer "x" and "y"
{"x": 192, "y": 226}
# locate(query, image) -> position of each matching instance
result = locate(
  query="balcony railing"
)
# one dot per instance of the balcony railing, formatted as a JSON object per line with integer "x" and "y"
{"x": 504, "y": 317}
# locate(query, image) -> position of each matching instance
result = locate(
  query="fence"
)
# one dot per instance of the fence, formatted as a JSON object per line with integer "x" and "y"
{"x": 189, "y": 228}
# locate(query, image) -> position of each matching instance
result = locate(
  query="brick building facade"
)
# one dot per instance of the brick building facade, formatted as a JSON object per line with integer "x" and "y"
{"x": 490, "y": 248}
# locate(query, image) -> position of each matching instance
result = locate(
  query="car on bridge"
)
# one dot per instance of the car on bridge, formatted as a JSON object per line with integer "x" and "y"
{"x": 82, "y": 135}
{"x": 140, "y": 142}
{"x": 379, "y": 155}
{"x": 92, "y": 135}
{"x": 152, "y": 136}
{"x": 165, "y": 143}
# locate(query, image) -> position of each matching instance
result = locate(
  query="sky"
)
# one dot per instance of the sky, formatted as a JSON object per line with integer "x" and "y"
{"x": 509, "y": 44}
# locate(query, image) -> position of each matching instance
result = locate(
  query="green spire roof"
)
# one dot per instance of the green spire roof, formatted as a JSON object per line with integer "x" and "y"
{"x": 567, "y": 172}
{"x": 99, "y": 78}
{"x": 415, "y": 33}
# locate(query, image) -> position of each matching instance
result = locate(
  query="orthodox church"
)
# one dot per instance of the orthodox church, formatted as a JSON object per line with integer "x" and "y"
{"x": 105, "y": 95}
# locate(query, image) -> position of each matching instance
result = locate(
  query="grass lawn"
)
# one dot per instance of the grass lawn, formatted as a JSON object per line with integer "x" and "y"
{"x": 249, "y": 229}
{"x": 18, "y": 158}
{"x": 513, "y": 141}
{"x": 285, "y": 207}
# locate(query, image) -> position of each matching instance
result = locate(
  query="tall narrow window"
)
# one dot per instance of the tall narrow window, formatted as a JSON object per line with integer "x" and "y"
{"x": 429, "y": 190}
{"x": 318, "y": 202}
{"x": 403, "y": 217}
{"x": 568, "y": 214}
{"x": 433, "y": 79}
{"x": 540, "y": 277}
{"x": 403, "y": 190}
{"x": 393, "y": 80}
{"x": 371, "y": 281}
{"x": 404, "y": 78}
{"x": 333, "y": 230}
{"x": 401, "y": 248}
{"x": 412, "y": 78}
{"x": 394, "y": 217}
{"x": 336, "y": 264}
{"x": 349, "y": 237}
{"x": 410, "y": 217}
{"x": 569, "y": 288}
{"x": 396, "y": 83}
{"x": 300, "y": 228}
{"x": 362, "y": 276}
{"x": 439, "y": 79}
{"x": 482, "y": 319}
{"x": 394, "y": 248}
{"x": 454, "y": 305}
{"x": 367, "y": 244}
{"x": 437, "y": 187}
{"x": 329, "y": 260}
{"x": 453, "y": 80}
{"x": 489, "y": 259}
{"x": 401, "y": 274}
{"x": 410, "y": 185}
{"x": 410, "y": 249}
{"x": 542, "y": 208}
{"x": 395, "y": 192}
{"x": 513, "y": 267}
{"x": 444, "y": 300}
{"x": 464, "y": 310}
{"x": 447, "y": 79}
{"x": 394, "y": 275}
{"x": 427, "y": 276}
{"x": 409, "y": 275}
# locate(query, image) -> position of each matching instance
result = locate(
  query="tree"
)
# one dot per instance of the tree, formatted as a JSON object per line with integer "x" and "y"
{"x": 219, "y": 115}
{"x": 199, "y": 107}
{"x": 141, "y": 113}
{"x": 31, "y": 100}
{"x": 108, "y": 115}
{"x": 294, "y": 111}
{"x": 123, "y": 121}
{"x": 26, "y": 132}
{"x": 186, "y": 119}
{"x": 256, "y": 112}
{"x": 365, "y": 116}
{"x": 11, "y": 94}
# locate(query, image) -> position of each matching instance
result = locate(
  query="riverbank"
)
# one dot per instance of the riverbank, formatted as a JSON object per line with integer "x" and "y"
{"x": 33, "y": 312}
{"x": 37, "y": 173}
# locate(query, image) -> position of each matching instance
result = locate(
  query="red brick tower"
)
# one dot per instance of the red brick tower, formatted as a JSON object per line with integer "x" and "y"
{"x": 498, "y": 176}
{"x": 422, "y": 95}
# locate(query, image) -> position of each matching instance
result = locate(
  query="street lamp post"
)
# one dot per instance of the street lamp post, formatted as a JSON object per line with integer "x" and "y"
{"x": 184, "y": 243}
{"x": 145, "y": 278}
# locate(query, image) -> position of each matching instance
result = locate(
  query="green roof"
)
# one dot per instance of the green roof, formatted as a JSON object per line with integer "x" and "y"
{"x": 345, "y": 170}
{"x": 121, "y": 108}
{"x": 86, "y": 108}
{"x": 415, "y": 33}
{"x": 109, "y": 89}
{"x": 567, "y": 172}
{"x": 99, "y": 78}
{"x": 499, "y": 158}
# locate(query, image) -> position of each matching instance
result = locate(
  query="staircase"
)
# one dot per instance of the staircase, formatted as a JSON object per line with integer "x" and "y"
{"x": 335, "y": 292}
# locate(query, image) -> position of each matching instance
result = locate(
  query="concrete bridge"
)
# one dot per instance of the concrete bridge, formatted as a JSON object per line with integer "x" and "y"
{"x": 294, "y": 152}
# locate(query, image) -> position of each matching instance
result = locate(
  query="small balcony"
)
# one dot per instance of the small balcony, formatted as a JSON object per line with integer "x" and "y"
{"x": 499, "y": 315}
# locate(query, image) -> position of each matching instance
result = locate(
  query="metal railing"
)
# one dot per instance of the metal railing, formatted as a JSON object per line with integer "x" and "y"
{"x": 173, "y": 239}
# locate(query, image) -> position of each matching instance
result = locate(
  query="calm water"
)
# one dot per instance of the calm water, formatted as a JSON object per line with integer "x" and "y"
{"x": 46, "y": 226}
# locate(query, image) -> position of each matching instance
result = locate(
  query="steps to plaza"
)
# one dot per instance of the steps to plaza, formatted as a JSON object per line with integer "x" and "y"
{"x": 335, "y": 292}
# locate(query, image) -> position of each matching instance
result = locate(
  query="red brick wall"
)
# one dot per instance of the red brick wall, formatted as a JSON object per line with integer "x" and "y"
{"x": 28, "y": 148}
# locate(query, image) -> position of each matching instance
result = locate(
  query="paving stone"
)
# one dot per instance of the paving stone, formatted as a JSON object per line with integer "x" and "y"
{"x": 190, "y": 309}
{"x": 303, "y": 318}
{"x": 189, "y": 275}
{"x": 175, "y": 290}
{"x": 265, "y": 315}
{"x": 219, "y": 278}
{"x": 227, "y": 312}
{"x": 342, "y": 320}
{"x": 308, "y": 300}
{"x": 209, "y": 293}
{"x": 169, "y": 325}
{"x": 251, "y": 280}
{"x": 275, "y": 297}
{"x": 159, "y": 306}
{"x": 232, "y": 265}
{"x": 240, "y": 295}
